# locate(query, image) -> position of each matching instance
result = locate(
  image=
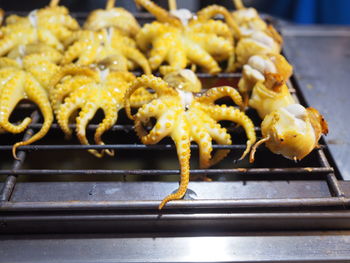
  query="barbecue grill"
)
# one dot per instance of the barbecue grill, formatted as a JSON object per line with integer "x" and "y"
{"x": 56, "y": 187}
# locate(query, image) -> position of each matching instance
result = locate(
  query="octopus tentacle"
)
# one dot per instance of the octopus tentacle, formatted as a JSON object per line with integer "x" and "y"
{"x": 221, "y": 136}
{"x": 215, "y": 46}
{"x": 199, "y": 56}
{"x": 72, "y": 70}
{"x": 223, "y": 112}
{"x": 163, "y": 126}
{"x": 11, "y": 93}
{"x": 150, "y": 32}
{"x": 176, "y": 58}
{"x": 85, "y": 115}
{"x": 141, "y": 97}
{"x": 136, "y": 56}
{"x": 111, "y": 116}
{"x": 146, "y": 81}
{"x": 213, "y": 94}
{"x": 63, "y": 89}
{"x": 40, "y": 68}
{"x": 46, "y": 36}
{"x": 182, "y": 142}
{"x": 73, "y": 52}
{"x": 40, "y": 51}
{"x": 213, "y": 10}
{"x": 215, "y": 27}
{"x": 161, "y": 14}
{"x": 160, "y": 49}
{"x": 37, "y": 94}
{"x": 65, "y": 110}
{"x": 8, "y": 62}
{"x": 201, "y": 136}
{"x": 215, "y": 132}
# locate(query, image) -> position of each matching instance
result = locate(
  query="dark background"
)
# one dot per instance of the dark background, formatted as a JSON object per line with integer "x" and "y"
{"x": 299, "y": 11}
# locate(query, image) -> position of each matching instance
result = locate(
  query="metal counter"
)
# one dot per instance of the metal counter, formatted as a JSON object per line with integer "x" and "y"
{"x": 321, "y": 60}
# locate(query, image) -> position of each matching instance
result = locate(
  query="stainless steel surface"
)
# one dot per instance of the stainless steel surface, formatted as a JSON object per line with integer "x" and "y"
{"x": 321, "y": 60}
{"x": 279, "y": 247}
{"x": 113, "y": 191}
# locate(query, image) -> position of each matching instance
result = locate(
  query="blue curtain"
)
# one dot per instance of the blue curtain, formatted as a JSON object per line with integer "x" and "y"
{"x": 308, "y": 11}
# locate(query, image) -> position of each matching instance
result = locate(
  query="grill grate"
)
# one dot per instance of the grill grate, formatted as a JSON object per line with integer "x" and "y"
{"x": 320, "y": 166}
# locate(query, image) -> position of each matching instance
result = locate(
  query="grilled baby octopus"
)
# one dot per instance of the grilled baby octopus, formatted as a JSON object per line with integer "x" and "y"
{"x": 26, "y": 78}
{"x": 115, "y": 17}
{"x": 107, "y": 48}
{"x": 202, "y": 43}
{"x": 90, "y": 89}
{"x": 51, "y": 25}
{"x": 254, "y": 35}
{"x": 185, "y": 118}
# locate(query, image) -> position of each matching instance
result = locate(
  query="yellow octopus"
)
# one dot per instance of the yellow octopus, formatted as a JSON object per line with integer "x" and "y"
{"x": 185, "y": 118}
{"x": 26, "y": 77}
{"x": 181, "y": 43}
{"x": 115, "y": 17}
{"x": 107, "y": 47}
{"x": 88, "y": 89}
{"x": 254, "y": 35}
{"x": 51, "y": 25}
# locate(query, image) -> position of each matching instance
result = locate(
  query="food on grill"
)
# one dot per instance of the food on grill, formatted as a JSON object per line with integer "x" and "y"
{"x": 74, "y": 88}
{"x": 292, "y": 131}
{"x": 115, "y": 17}
{"x": 25, "y": 78}
{"x": 287, "y": 128}
{"x": 265, "y": 100}
{"x": 185, "y": 118}
{"x": 51, "y": 25}
{"x": 39, "y": 49}
{"x": 270, "y": 71}
{"x": 202, "y": 43}
{"x": 107, "y": 48}
{"x": 249, "y": 21}
{"x": 162, "y": 15}
{"x": 254, "y": 35}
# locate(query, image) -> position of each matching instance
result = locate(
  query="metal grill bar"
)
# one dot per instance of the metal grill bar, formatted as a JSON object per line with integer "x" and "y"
{"x": 332, "y": 181}
{"x": 10, "y": 182}
{"x": 236, "y": 171}
{"x": 115, "y": 147}
{"x": 182, "y": 204}
{"x": 124, "y": 127}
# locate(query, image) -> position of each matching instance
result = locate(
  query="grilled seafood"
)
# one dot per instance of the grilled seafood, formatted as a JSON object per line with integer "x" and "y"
{"x": 271, "y": 70}
{"x": 107, "y": 47}
{"x": 292, "y": 131}
{"x": 202, "y": 43}
{"x": 287, "y": 128}
{"x": 25, "y": 78}
{"x": 186, "y": 118}
{"x": 51, "y": 25}
{"x": 75, "y": 87}
{"x": 254, "y": 35}
{"x": 115, "y": 17}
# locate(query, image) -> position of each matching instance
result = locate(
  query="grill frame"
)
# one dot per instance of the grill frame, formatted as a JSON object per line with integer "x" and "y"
{"x": 212, "y": 210}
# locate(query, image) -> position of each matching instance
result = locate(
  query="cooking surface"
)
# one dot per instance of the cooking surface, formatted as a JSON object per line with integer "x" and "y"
{"x": 320, "y": 53}
{"x": 321, "y": 60}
